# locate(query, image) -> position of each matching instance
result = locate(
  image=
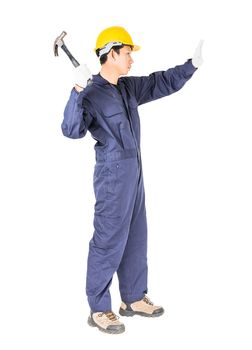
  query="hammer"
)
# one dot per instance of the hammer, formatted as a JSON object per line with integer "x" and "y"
{"x": 60, "y": 43}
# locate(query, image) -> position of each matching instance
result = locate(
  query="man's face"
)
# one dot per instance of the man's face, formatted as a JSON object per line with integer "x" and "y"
{"x": 123, "y": 61}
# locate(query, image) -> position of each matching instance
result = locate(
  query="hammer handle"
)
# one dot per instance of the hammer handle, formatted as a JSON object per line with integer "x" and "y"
{"x": 72, "y": 59}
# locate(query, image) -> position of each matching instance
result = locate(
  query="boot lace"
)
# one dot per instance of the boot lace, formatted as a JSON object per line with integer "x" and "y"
{"x": 110, "y": 315}
{"x": 147, "y": 300}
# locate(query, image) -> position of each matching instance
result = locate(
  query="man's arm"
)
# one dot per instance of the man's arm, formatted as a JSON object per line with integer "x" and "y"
{"x": 160, "y": 84}
{"x": 76, "y": 117}
{"x": 164, "y": 83}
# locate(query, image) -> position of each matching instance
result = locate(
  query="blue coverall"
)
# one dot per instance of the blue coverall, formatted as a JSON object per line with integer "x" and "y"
{"x": 119, "y": 242}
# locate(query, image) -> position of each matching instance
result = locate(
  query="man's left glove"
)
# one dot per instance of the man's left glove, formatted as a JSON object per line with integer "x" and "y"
{"x": 197, "y": 59}
{"x": 82, "y": 75}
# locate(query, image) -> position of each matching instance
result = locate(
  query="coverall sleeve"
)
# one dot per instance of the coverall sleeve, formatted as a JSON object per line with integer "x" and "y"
{"x": 76, "y": 117}
{"x": 160, "y": 84}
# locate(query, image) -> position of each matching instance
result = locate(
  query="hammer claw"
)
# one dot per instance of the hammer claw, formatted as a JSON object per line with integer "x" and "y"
{"x": 55, "y": 49}
{"x": 58, "y": 43}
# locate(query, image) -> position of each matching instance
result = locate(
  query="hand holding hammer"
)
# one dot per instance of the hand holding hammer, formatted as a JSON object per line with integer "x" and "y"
{"x": 82, "y": 74}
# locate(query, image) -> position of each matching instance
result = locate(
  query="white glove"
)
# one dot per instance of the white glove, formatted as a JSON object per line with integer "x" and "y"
{"x": 197, "y": 59}
{"x": 82, "y": 75}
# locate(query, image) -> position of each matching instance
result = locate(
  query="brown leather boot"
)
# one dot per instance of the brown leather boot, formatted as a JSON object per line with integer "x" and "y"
{"x": 106, "y": 322}
{"x": 143, "y": 307}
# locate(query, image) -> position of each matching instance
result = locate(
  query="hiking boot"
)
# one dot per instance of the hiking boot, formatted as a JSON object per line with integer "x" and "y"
{"x": 143, "y": 307}
{"x": 106, "y": 322}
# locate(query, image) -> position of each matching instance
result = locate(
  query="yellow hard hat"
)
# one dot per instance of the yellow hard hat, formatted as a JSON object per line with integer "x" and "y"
{"x": 114, "y": 36}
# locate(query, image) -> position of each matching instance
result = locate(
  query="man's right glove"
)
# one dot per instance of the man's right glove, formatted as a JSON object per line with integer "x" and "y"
{"x": 82, "y": 75}
{"x": 197, "y": 59}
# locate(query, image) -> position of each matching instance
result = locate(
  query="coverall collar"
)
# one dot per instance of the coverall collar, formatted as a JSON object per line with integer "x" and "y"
{"x": 98, "y": 79}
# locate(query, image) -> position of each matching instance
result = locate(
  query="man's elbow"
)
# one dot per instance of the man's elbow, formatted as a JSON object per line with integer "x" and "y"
{"x": 72, "y": 133}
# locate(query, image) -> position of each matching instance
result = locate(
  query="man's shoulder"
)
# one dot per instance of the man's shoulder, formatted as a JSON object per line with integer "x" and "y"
{"x": 126, "y": 80}
{"x": 96, "y": 97}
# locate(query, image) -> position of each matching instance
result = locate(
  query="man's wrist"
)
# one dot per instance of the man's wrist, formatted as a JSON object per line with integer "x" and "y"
{"x": 78, "y": 88}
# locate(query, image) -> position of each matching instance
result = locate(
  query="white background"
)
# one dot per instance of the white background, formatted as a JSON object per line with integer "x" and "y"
{"x": 196, "y": 148}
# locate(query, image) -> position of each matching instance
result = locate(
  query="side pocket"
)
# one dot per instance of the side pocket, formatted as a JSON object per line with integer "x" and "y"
{"x": 110, "y": 173}
{"x": 105, "y": 188}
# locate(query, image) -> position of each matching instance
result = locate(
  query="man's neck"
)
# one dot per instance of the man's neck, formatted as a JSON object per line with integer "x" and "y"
{"x": 109, "y": 75}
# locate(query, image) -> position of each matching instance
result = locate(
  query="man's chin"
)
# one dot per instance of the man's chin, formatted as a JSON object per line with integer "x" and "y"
{"x": 125, "y": 72}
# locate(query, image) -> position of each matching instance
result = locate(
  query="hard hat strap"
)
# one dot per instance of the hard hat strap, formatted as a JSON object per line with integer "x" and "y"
{"x": 108, "y": 47}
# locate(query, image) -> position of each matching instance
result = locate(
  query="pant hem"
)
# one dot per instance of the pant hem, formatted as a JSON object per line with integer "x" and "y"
{"x": 132, "y": 298}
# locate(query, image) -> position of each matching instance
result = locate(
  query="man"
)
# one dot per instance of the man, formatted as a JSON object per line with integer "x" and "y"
{"x": 107, "y": 108}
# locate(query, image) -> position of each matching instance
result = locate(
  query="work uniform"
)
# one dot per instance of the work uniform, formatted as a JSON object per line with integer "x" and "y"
{"x": 119, "y": 243}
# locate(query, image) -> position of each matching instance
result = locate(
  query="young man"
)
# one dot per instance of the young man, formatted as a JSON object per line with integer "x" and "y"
{"x": 107, "y": 108}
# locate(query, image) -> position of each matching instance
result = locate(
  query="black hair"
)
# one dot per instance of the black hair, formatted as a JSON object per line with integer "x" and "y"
{"x": 104, "y": 57}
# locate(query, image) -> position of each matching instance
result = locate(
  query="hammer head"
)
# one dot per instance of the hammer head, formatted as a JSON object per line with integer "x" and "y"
{"x": 58, "y": 43}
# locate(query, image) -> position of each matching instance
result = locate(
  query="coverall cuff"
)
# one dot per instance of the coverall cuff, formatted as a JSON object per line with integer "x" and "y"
{"x": 74, "y": 94}
{"x": 131, "y": 298}
{"x": 190, "y": 67}
{"x": 77, "y": 97}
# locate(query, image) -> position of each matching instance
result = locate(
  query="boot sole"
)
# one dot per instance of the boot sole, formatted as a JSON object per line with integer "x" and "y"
{"x": 129, "y": 313}
{"x": 92, "y": 323}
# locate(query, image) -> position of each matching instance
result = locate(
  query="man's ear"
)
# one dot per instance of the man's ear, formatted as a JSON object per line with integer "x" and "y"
{"x": 113, "y": 54}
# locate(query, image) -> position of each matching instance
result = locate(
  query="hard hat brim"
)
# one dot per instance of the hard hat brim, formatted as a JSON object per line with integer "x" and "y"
{"x": 136, "y": 48}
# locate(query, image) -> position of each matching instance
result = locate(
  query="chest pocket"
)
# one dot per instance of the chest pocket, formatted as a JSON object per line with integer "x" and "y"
{"x": 112, "y": 111}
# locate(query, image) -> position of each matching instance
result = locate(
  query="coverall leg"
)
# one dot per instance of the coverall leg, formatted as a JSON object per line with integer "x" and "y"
{"x": 132, "y": 272}
{"x": 120, "y": 233}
